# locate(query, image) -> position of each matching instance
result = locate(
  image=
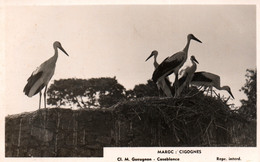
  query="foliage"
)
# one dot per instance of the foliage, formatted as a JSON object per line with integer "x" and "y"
{"x": 248, "y": 107}
{"x": 85, "y": 93}
{"x": 144, "y": 90}
{"x": 110, "y": 91}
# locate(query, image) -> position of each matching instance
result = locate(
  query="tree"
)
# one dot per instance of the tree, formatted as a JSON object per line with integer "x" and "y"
{"x": 110, "y": 91}
{"x": 144, "y": 90}
{"x": 248, "y": 107}
{"x": 91, "y": 93}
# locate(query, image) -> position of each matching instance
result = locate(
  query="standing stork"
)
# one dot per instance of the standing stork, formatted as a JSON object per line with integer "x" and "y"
{"x": 164, "y": 83}
{"x": 185, "y": 80}
{"x": 173, "y": 63}
{"x": 42, "y": 75}
{"x": 209, "y": 80}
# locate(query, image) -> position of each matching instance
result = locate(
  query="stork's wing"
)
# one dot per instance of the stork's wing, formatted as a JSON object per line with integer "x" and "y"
{"x": 31, "y": 81}
{"x": 181, "y": 82}
{"x": 199, "y": 77}
{"x": 182, "y": 79}
{"x": 165, "y": 67}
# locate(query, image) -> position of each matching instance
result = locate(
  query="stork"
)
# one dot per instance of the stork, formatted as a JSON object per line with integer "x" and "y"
{"x": 173, "y": 63}
{"x": 185, "y": 80}
{"x": 209, "y": 80}
{"x": 164, "y": 84}
{"x": 42, "y": 75}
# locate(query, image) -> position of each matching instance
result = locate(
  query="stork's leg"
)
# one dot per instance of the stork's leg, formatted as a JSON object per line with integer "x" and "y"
{"x": 207, "y": 90}
{"x": 45, "y": 96}
{"x": 40, "y": 100}
{"x": 201, "y": 88}
{"x": 177, "y": 80}
{"x": 176, "y": 86}
{"x": 216, "y": 94}
{"x": 164, "y": 87}
{"x": 167, "y": 90}
{"x": 159, "y": 90}
{"x": 161, "y": 94}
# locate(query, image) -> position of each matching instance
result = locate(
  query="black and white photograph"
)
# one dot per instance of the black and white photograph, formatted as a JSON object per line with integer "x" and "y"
{"x": 129, "y": 81}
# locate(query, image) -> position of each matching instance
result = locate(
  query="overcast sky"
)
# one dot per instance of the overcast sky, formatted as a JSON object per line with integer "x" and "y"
{"x": 115, "y": 40}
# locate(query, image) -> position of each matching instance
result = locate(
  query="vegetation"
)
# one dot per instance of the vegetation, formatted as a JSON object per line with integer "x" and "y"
{"x": 95, "y": 92}
{"x": 248, "y": 107}
{"x": 85, "y": 93}
{"x": 144, "y": 90}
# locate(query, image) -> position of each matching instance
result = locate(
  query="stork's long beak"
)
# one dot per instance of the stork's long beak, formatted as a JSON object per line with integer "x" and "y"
{"x": 196, "y": 39}
{"x": 196, "y": 61}
{"x": 149, "y": 57}
{"x": 61, "y": 48}
{"x": 231, "y": 94}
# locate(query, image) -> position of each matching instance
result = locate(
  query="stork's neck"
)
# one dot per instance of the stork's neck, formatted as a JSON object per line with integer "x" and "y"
{"x": 194, "y": 67}
{"x": 155, "y": 63}
{"x": 55, "y": 57}
{"x": 186, "y": 48}
{"x": 194, "y": 64}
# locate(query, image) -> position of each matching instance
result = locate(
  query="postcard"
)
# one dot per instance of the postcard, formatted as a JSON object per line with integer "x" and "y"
{"x": 129, "y": 81}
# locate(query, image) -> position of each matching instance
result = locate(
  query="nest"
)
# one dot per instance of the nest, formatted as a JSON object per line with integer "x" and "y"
{"x": 195, "y": 120}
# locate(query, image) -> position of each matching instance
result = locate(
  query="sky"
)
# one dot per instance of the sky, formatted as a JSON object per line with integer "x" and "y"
{"x": 115, "y": 40}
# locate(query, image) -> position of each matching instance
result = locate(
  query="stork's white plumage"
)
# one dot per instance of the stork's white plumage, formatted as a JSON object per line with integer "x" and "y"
{"x": 42, "y": 75}
{"x": 173, "y": 63}
{"x": 164, "y": 84}
{"x": 209, "y": 80}
{"x": 186, "y": 78}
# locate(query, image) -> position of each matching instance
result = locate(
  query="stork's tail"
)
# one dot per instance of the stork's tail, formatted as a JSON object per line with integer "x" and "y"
{"x": 26, "y": 89}
{"x": 30, "y": 82}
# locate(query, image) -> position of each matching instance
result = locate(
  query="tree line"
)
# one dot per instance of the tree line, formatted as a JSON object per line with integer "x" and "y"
{"x": 95, "y": 92}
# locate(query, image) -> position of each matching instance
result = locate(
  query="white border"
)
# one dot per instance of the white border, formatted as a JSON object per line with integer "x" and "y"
{"x": 110, "y": 154}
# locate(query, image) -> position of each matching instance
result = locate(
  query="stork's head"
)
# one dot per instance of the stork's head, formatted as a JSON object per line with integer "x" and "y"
{"x": 227, "y": 88}
{"x": 57, "y": 44}
{"x": 191, "y": 36}
{"x": 193, "y": 59}
{"x": 154, "y": 53}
